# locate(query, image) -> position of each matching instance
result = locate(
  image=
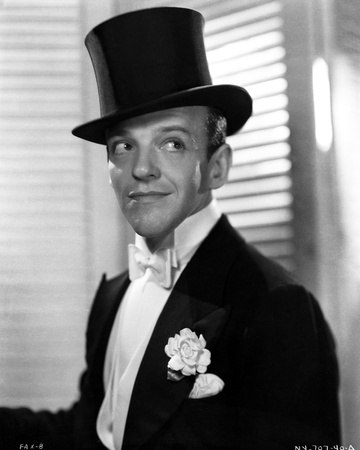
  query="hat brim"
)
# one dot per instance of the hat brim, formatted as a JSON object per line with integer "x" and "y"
{"x": 233, "y": 101}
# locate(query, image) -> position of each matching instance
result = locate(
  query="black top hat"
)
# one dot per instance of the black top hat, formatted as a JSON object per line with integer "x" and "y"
{"x": 155, "y": 59}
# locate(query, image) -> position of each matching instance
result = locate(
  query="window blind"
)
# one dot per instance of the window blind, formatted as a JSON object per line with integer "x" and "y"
{"x": 43, "y": 203}
{"x": 244, "y": 42}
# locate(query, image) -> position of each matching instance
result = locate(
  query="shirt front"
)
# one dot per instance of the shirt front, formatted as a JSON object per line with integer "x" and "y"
{"x": 135, "y": 322}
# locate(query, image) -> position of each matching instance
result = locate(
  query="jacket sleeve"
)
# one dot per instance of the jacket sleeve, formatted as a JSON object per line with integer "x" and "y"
{"x": 25, "y": 426}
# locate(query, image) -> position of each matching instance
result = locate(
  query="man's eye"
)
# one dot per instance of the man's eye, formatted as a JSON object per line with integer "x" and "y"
{"x": 173, "y": 145}
{"x": 121, "y": 147}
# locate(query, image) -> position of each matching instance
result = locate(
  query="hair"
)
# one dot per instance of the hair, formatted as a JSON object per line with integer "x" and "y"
{"x": 215, "y": 126}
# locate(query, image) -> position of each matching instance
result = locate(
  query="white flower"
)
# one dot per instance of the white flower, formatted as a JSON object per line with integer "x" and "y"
{"x": 187, "y": 353}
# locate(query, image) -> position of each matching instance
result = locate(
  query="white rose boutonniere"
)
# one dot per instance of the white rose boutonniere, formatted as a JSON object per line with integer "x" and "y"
{"x": 188, "y": 355}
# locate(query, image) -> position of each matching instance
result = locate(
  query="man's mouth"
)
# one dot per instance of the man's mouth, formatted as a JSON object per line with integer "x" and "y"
{"x": 147, "y": 196}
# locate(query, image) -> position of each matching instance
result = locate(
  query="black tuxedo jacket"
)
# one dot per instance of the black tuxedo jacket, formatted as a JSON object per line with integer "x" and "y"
{"x": 269, "y": 343}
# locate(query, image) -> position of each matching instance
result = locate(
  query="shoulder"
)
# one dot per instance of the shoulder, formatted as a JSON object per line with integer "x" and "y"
{"x": 107, "y": 297}
{"x": 274, "y": 296}
{"x": 283, "y": 301}
{"x": 288, "y": 317}
{"x": 245, "y": 258}
{"x": 108, "y": 288}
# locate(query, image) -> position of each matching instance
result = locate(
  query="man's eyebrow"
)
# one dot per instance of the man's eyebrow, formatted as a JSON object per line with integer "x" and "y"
{"x": 169, "y": 128}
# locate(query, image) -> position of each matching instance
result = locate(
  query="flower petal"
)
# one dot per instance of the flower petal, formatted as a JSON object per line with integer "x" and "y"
{"x": 186, "y": 332}
{"x": 201, "y": 369}
{"x": 188, "y": 370}
{"x": 171, "y": 347}
{"x": 202, "y": 340}
{"x": 205, "y": 357}
{"x": 189, "y": 362}
{"x": 176, "y": 363}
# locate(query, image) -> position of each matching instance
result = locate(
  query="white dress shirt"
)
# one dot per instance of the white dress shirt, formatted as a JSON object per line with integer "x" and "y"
{"x": 135, "y": 322}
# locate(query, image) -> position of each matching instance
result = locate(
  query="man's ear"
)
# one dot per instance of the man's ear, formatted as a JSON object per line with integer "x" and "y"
{"x": 108, "y": 159}
{"x": 220, "y": 163}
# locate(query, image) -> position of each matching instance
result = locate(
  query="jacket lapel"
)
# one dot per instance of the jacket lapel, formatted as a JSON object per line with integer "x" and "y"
{"x": 101, "y": 321}
{"x": 196, "y": 302}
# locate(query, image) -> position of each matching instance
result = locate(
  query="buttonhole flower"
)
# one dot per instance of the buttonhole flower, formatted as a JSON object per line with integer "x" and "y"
{"x": 188, "y": 355}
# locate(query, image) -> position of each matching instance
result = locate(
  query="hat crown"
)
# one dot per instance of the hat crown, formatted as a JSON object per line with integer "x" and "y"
{"x": 144, "y": 55}
{"x": 154, "y": 59}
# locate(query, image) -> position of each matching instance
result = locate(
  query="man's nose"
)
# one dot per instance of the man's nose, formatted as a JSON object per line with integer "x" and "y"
{"x": 146, "y": 164}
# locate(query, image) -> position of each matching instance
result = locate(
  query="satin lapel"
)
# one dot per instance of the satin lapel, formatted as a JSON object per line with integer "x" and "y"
{"x": 155, "y": 398}
{"x": 106, "y": 304}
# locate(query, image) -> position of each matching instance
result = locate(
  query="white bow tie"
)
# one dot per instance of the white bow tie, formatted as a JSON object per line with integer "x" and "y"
{"x": 160, "y": 264}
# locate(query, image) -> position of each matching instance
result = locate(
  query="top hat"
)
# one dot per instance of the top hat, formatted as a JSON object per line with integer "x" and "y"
{"x": 154, "y": 59}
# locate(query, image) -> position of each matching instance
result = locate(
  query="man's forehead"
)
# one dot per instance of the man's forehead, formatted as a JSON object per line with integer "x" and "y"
{"x": 183, "y": 117}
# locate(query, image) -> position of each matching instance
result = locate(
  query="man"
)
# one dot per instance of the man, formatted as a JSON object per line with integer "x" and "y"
{"x": 205, "y": 343}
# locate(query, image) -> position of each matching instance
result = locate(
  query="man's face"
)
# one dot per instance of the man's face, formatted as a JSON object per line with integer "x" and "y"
{"x": 159, "y": 168}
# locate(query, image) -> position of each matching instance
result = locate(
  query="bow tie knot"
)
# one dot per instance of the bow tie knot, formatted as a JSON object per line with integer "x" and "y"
{"x": 159, "y": 263}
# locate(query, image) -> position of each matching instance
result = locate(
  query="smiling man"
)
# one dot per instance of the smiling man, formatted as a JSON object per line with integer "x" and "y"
{"x": 203, "y": 343}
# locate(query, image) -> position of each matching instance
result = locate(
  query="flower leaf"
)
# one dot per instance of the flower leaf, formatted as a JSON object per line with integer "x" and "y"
{"x": 174, "y": 375}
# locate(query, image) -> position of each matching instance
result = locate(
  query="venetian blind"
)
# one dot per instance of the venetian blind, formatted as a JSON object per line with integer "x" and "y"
{"x": 245, "y": 47}
{"x": 43, "y": 265}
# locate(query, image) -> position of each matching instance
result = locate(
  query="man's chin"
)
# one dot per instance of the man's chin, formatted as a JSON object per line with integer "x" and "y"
{"x": 148, "y": 229}
{"x": 155, "y": 224}
{"x": 155, "y": 232}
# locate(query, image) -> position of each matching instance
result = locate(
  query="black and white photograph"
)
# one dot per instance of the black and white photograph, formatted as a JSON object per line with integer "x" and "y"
{"x": 179, "y": 224}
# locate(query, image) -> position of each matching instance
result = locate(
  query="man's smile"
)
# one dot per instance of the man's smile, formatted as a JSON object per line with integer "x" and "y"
{"x": 147, "y": 196}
